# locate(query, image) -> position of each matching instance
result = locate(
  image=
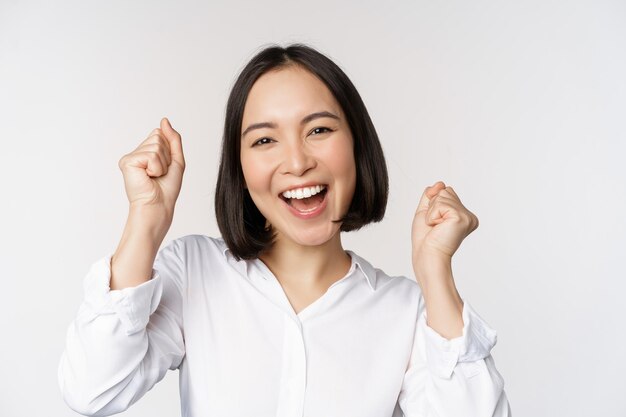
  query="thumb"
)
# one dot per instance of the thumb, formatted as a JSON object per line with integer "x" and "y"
{"x": 175, "y": 141}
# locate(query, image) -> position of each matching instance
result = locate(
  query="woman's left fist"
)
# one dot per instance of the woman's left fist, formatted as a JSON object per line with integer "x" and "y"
{"x": 440, "y": 224}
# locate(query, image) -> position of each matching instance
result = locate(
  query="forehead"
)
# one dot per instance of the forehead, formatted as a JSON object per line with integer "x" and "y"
{"x": 286, "y": 95}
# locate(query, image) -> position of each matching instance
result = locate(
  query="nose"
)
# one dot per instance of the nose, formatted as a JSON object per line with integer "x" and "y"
{"x": 297, "y": 159}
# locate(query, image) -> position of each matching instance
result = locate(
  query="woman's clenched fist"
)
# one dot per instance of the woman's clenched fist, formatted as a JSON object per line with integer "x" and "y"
{"x": 153, "y": 172}
{"x": 440, "y": 224}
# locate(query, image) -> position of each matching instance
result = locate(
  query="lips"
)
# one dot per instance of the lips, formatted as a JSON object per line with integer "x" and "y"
{"x": 304, "y": 196}
{"x": 307, "y": 207}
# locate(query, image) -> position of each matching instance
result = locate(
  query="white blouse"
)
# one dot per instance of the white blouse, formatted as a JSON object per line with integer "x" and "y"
{"x": 362, "y": 349}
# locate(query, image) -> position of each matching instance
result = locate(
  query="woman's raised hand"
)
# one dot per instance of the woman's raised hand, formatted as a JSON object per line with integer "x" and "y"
{"x": 440, "y": 224}
{"x": 153, "y": 172}
{"x": 153, "y": 175}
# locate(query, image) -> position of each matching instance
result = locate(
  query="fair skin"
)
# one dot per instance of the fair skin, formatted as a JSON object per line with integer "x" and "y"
{"x": 295, "y": 134}
{"x": 303, "y": 139}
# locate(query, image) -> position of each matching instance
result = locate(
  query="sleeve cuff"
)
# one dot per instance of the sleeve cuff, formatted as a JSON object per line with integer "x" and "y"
{"x": 133, "y": 305}
{"x": 474, "y": 344}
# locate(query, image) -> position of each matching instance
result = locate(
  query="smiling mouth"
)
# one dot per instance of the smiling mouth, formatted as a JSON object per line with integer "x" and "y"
{"x": 306, "y": 204}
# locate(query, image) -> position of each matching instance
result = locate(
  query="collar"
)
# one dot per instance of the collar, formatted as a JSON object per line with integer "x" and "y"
{"x": 369, "y": 272}
{"x": 366, "y": 268}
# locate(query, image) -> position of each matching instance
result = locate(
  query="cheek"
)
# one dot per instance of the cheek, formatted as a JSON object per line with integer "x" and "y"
{"x": 255, "y": 173}
{"x": 340, "y": 160}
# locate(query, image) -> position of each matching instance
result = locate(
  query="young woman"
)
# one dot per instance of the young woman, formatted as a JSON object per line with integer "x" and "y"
{"x": 276, "y": 318}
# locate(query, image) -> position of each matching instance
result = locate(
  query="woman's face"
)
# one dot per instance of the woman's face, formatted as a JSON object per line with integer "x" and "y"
{"x": 297, "y": 143}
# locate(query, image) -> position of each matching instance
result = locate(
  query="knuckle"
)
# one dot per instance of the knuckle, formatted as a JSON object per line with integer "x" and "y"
{"x": 460, "y": 220}
{"x": 160, "y": 148}
{"x": 122, "y": 160}
{"x": 162, "y": 145}
{"x": 154, "y": 156}
{"x": 465, "y": 219}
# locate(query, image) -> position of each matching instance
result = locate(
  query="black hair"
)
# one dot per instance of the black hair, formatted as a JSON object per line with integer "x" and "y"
{"x": 241, "y": 224}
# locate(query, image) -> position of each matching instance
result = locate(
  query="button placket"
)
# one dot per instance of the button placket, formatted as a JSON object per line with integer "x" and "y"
{"x": 293, "y": 379}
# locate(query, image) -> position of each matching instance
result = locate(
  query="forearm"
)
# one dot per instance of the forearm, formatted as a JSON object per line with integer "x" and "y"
{"x": 119, "y": 346}
{"x": 132, "y": 262}
{"x": 444, "y": 305}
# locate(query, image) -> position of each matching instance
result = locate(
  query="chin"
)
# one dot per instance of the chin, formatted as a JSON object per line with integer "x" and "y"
{"x": 314, "y": 237}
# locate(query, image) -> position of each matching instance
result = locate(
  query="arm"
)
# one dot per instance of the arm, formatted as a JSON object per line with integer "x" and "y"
{"x": 451, "y": 371}
{"x": 123, "y": 341}
{"x": 452, "y": 378}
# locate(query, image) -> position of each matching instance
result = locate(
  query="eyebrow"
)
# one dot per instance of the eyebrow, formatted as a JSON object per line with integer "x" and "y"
{"x": 305, "y": 120}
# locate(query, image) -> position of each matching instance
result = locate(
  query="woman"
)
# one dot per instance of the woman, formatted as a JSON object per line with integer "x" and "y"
{"x": 276, "y": 318}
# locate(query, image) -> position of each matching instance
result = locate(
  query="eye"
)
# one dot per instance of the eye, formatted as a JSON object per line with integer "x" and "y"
{"x": 262, "y": 141}
{"x": 320, "y": 130}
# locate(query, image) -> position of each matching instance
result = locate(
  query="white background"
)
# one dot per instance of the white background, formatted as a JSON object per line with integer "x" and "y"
{"x": 520, "y": 106}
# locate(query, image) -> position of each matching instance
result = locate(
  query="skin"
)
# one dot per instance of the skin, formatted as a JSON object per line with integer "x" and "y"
{"x": 308, "y": 256}
{"x": 440, "y": 224}
{"x": 153, "y": 174}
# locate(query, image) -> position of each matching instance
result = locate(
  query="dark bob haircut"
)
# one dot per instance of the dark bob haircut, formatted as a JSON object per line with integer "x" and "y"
{"x": 241, "y": 224}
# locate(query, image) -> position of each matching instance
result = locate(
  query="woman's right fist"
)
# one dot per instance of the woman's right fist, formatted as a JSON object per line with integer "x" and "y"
{"x": 153, "y": 173}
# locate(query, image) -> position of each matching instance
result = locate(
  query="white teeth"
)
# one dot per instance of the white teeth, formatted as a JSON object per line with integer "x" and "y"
{"x": 305, "y": 192}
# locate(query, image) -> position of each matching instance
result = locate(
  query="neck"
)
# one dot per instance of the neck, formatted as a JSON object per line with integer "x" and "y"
{"x": 307, "y": 266}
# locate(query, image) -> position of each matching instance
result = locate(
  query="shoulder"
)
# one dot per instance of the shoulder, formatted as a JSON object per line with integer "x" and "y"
{"x": 198, "y": 256}
{"x": 201, "y": 241}
{"x": 398, "y": 286}
{"x": 196, "y": 246}
{"x": 394, "y": 286}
